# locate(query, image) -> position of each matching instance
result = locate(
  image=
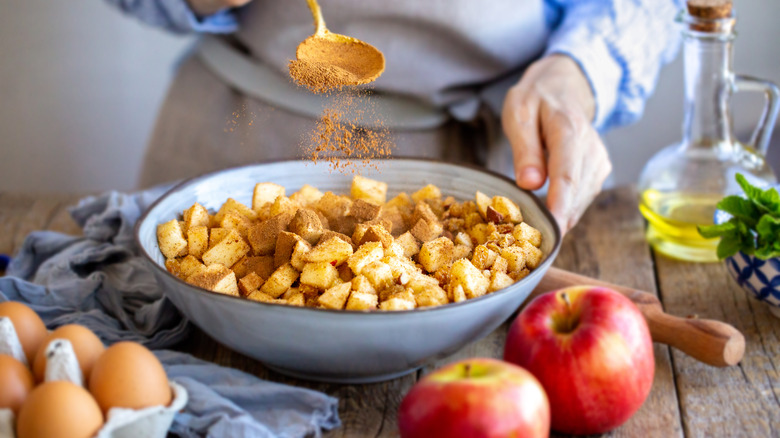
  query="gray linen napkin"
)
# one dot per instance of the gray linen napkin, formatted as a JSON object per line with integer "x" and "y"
{"x": 99, "y": 281}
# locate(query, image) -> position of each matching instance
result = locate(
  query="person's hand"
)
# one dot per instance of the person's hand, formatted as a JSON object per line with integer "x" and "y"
{"x": 203, "y": 8}
{"x": 547, "y": 119}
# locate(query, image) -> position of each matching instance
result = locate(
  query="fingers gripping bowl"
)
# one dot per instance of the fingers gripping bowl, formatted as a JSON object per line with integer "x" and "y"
{"x": 338, "y": 345}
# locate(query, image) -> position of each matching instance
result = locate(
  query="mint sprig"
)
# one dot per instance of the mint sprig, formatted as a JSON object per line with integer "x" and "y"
{"x": 754, "y": 227}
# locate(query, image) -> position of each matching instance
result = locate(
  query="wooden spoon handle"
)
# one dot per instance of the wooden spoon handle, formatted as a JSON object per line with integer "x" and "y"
{"x": 712, "y": 342}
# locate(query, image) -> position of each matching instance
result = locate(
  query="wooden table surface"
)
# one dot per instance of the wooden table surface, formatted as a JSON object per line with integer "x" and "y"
{"x": 688, "y": 398}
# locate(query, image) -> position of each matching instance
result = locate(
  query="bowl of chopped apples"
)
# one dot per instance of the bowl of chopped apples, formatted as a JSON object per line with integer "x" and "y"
{"x": 334, "y": 277}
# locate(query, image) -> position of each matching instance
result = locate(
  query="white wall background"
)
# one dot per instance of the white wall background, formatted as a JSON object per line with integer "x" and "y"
{"x": 756, "y": 53}
{"x": 80, "y": 86}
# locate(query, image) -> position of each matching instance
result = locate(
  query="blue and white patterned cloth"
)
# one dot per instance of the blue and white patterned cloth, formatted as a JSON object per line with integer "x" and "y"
{"x": 100, "y": 281}
{"x": 619, "y": 44}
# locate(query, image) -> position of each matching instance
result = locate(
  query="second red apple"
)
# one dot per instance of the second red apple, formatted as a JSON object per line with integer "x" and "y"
{"x": 591, "y": 350}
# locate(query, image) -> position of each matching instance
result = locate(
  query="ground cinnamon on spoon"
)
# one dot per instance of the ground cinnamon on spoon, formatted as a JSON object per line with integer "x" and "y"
{"x": 320, "y": 78}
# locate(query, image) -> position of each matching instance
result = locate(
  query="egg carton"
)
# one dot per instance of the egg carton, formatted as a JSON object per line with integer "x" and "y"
{"x": 61, "y": 364}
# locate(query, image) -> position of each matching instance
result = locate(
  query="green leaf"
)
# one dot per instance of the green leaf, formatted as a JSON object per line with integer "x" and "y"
{"x": 729, "y": 245}
{"x": 771, "y": 200}
{"x": 712, "y": 231}
{"x": 751, "y": 191}
{"x": 768, "y": 228}
{"x": 766, "y": 252}
{"x": 767, "y": 201}
{"x": 740, "y": 208}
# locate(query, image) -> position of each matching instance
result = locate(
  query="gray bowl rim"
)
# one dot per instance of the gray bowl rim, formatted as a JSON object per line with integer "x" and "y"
{"x": 540, "y": 270}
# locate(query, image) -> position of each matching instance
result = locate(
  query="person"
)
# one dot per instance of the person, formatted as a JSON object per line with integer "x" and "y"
{"x": 524, "y": 87}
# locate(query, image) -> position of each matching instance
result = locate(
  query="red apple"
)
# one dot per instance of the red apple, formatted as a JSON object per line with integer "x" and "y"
{"x": 591, "y": 349}
{"x": 476, "y": 398}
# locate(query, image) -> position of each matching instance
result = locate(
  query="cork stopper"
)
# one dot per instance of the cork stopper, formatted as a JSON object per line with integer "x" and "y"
{"x": 710, "y": 9}
{"x": 709, "y": 15}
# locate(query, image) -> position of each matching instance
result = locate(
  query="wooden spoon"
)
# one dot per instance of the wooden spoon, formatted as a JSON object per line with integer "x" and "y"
{"x": 712, "y": 342}
{"x": 347, "y": 60}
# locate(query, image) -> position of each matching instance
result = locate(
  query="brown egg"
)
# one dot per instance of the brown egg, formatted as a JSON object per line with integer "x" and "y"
{"x": 16, "y": 382}
{"x": 28, "y": 325}
{"x": 86, "y": 345}
{"x": 128, "y": 375}
{"x": 59, "y": 410}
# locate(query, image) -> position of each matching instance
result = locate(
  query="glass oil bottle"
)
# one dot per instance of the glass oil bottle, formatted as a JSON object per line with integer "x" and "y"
{"x": 681, "y": 185}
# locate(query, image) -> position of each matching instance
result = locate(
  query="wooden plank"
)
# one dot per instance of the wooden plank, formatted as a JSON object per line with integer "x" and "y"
{"x": 609, "y": 244}
{"x": 21, "y": 214}
{"x": 365, "y": 410}
{"x": 611, "y": 227}
{"x": 743, "y": 400}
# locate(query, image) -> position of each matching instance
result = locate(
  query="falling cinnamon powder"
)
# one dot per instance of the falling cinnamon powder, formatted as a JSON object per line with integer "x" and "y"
{"x": 340, "y": 136}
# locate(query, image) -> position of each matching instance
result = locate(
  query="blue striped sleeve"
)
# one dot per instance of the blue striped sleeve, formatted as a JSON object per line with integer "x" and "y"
{"x": 177, "y": 16}
{"x": 621, "y": 46}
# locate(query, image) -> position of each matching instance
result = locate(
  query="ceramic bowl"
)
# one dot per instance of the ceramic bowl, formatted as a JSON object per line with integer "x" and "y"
{"x": 331, "y": 345}
{"x": 759, "y": 278}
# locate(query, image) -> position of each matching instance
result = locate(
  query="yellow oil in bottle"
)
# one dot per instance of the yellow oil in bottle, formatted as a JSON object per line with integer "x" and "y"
{"x": 672, "y": 219}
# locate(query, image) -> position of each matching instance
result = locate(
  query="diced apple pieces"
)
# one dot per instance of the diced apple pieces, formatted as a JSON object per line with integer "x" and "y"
{"x": 401, "y": 201}
{"x": 396, "y": 304}
{"x": 298, "y": 258}
{"x": 409, "y": 244}
{"x": 335, "y": 297}
{"x": 250, "y": 283}
{"x": 285, "y": 245}
{"x": 525, "y": 232}
{"x": 198, "y": 240}
{"x": 334, "y": 250}
{"x": 483, "y": 201}
{"x": 307, "y": 224}
{"x": 216, "y": 235}
{"x": 237, "y": 207}
{"x": 306, "y": 195}
{"x": 362, "y": 301}
{"x": 379, "y": 274}
{"x": 466, "y": 275}
{"x": 297, "y": 300}
{"x": 364, "y": 210}
{"x": 483, "y": 257}
{"x": 368, "y": 190}
{"x": 195, "y": 216}
{"x": 366, "y": 254}
{"x": 533, "y": 255}
{"x": 170, "y": 238}
{"x": 265, "y": 193}
{"x": 509, "y": 211}
{"x": 282, "y": 204}
{"x": 515, "y": 257}
{"x": 431, "y": 296}
{"x": 232, "y": 220}
{"x": 216, "y": 278}
{"x": 228, "y": 251}
{"x": 262, "y": 266}
{"x": 361, "y": 285}
{"x": 499, "y": 280}
{"x": 428, "y": 192}
{"x": 321, "y": 275}
{"x": 425, "y": 231}
{"x": 436, "y": 253}
{"x": 281, "y": 280}
{"x": 262, "y": 236}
